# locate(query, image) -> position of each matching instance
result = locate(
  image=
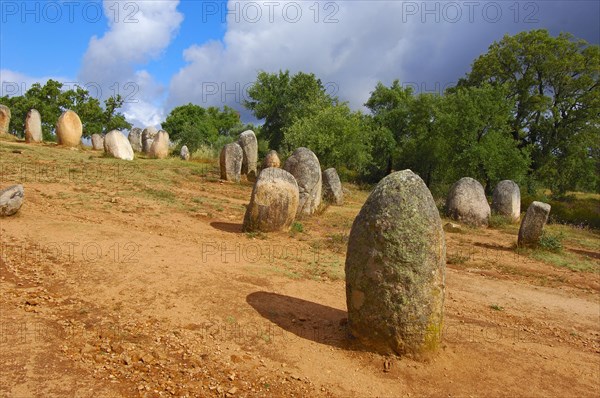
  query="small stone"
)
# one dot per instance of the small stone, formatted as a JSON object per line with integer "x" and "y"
{"x": 33, "y": 126}
{"x": 135, "y": 139}
{"x": 332, "y": 188}
{"x": 306, "y": 169}
{"x": 11, "y": 200}
{"x": 97, "y": 142}
{"x": 533, "y": 224}
{"x": 230, "y": 162}
{"x": 467, "y": 203}
{"x": 160, "y": 146}
{"x": 118, "y": 146}
{"x": 185, "y": 153}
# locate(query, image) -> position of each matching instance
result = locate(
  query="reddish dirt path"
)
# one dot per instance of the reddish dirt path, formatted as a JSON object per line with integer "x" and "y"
{"x": 128, "y": 299}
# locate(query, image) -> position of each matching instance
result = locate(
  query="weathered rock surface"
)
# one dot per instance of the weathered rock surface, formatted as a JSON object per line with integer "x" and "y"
{"x": 532, "y": 225}
{"x": 249, "y": 145}
{"x": 506, "y": 200}
{"x": 160, "y": 146}
{"x": 4, "y": 119}
{"x": 11, "y": 200}
{"x": 97, "y": 142}
{"x": 184, "y": 153}
{"x": 271, "y": 160}
{"x": 273, "y": 203}
{"x": 306, "y": 169}
{"x": 148, "y": 136}
{"x": 467, "y": 203}
{"x": 332, "y": 187}
{"x": 395, "y": 268}
{"x": 33, "y": 127}
{"x": 135, "y": 139}
{"x": 69, "y": 129}
{"x": 118, "y": 146}
{"x": 231, "y": 162}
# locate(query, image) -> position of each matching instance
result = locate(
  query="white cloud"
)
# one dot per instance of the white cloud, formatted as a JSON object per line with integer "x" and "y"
{"x": 15, "y": 83}
{"x": 425, "y": 45}
{"x": 141, "y": 34}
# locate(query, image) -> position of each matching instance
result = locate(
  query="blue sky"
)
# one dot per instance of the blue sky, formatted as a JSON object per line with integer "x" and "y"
{"x": 160, "y": 54}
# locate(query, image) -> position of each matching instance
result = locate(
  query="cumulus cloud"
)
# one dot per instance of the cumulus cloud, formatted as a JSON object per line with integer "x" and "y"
{"x": 349, "y": 44}
{"x": 14, "y": 83}
{"x": 140, "y": 34}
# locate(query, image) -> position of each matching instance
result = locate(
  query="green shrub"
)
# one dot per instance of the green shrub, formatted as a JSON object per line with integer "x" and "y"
{"x": 552, "y": 242}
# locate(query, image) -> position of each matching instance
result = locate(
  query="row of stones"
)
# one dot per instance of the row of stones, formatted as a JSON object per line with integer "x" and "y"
{"x": 467, "y": 203}
{"x": 279, "y": 195}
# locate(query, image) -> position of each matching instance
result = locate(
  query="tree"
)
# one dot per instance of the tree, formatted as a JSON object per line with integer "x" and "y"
{"x": 473, "y": 124}
{"x": 280, "y": 99}
{"x": 194, "y": 126}
{"x": 554, "y": 82}
{"x": 335, "y": 134}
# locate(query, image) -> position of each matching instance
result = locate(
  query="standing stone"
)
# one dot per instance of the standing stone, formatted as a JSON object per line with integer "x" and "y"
{"x": 533, "y": 223}
{"x": 273, "y": 203}
{"x": 506, "y": 200}
{"x": 271, "y": 160}
{"x": 185, "y": 153}
{"x": 148, "y": 136}
{"x": 69, "y": 129}
{"x": 231, "y": 162}
{"x": 11, "y": 200}
{"x": 97, "y": 142}
{"x": 33, "y": 127}
{"x": 467, "y": 203}
{"x": 135, "y": 139}
{"x": 395, "y": 268}
{"x": 118, "y": 146}
{"x": 160, "y": 146}
{"x": 4, "y": 119}
{"x": 332, "y": 187}
{"x": 249, "y": 146}
{"x": 305, "y": 167}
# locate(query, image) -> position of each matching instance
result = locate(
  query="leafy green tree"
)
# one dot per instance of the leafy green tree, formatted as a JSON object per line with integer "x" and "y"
{"x": 280, "y": 99}
{"x": 473, "y": 124}
{"x": 554, "y": 82}
{"x": 194, "y": 126}
{"x": 335, "y": 134}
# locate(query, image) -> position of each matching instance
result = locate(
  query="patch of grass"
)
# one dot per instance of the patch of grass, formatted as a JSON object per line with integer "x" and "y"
{"x": 257, "y": 235}
{"x": 496, "y": 307}
{"x": 297, "y": 227}
{"x": 570, "y": 261}
{"x": 455, "y": 259}
{"x": 552, "y": 242}
{"x": 160, "y": 194}
{"x": 499, "y": 221}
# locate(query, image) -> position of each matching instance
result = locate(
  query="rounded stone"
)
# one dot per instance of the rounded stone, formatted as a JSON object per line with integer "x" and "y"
{"x": 532, "y": 225}
{"x": 4, "y": 119}
{"x": 118, "y": 146}
{"x": 467, "y": 203}
{"x": 249, "y": 145}
{"x": 273, "y": 203}
{"x": 506, "y": 200}
{"x": 160, "y": 146}
{"x": 69, "y": 129}
{"x": 135, "y": 139}
{"x": 271, "y": 160}
{"x": 332, "y": 187}
{"x": 230, "y": 162}
{"x": 185, "y": 153}
{"x": 11, "y": 200}
{"x": 33, "y": 127}
{"x": 395, "y": 268}
{"x": 148, "y": 136}
{"x": 97, "y": 142}
{"x": 306, "y": 169}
